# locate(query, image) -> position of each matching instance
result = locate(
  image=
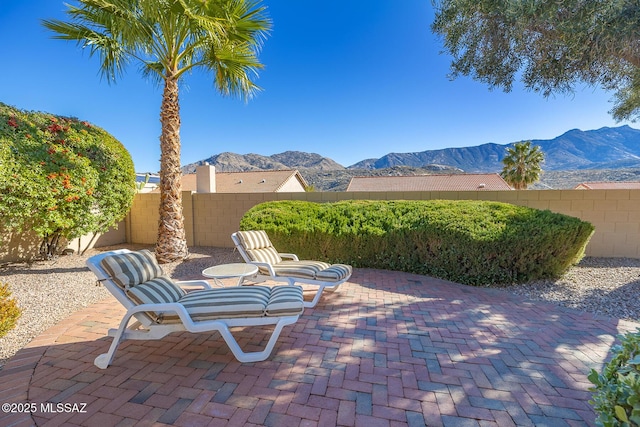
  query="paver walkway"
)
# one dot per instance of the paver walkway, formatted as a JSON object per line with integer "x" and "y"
{"x": 386, "y": 349}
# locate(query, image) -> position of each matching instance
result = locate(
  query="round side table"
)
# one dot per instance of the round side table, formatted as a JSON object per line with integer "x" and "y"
{"x": 230, "y": 271}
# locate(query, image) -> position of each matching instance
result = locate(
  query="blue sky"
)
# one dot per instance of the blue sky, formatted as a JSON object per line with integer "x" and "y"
{"x": 349, "y": 80}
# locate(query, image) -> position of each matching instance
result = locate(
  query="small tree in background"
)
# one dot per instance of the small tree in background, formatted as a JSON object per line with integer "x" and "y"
{"x": 522, "y": 165}
{"x": 60, "y": 177}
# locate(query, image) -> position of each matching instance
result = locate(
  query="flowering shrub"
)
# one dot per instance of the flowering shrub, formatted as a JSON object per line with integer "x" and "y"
{"x": 60, "y": 177}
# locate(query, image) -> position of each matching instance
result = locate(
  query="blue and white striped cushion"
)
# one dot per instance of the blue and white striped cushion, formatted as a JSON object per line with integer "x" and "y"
{"x": 131, "y": 268}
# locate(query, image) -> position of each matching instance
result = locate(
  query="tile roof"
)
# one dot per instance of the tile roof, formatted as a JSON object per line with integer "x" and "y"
{"x": 620, "y": 185}
{"x": 247, "y": 182}
{"x": 453, "y": 182}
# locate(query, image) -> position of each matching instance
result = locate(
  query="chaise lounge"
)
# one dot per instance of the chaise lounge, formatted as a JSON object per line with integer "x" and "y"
{"x": 256, "y": 248}
{"x": 160, "y": 306}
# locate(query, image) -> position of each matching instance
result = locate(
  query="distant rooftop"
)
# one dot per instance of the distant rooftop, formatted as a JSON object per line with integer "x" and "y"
{"x": 617, "y": 185}
{"x": 269, "y": 181}
{"x": 453, "y": 182}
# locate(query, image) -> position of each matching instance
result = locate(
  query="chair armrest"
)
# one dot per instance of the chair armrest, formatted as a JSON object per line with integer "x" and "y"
{"x": 292, "y": 257}
{"x": 265, "y": 265}
{"x": 194, "y": 284}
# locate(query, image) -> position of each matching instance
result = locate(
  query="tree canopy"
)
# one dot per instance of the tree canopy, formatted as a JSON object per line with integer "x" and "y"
{"x": 170, "y": 38}
{"x": 550, "y": 45}
{"x": 60, "y": 176}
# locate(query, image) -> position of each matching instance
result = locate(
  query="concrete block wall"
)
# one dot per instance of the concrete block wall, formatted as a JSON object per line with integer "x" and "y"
{"x": 210, "y": 218}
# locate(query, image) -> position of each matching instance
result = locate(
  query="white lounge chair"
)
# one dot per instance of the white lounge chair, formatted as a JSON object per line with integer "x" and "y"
{"x": 161, "y": 306}
{"x": 256, "y": 248}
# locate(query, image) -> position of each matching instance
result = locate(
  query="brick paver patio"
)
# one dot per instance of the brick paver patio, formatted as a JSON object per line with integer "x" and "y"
{"x": 386, "y": 349}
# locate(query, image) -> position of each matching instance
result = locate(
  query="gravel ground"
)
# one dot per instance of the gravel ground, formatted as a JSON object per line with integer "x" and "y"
{"x": 49, "y": 291}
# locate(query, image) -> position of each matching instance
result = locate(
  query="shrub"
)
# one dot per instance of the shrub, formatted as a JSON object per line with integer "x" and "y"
{"x": 60, "y": 177}
{"x": 9, "y": 311}
{"x": 471, "y": 242}
{"x": 616, "y": 396}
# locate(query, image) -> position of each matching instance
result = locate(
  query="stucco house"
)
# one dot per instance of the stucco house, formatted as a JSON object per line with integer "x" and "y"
{"x": 621, "y": 185}
{"x": 208, "y": 180}
{"x": 451, "y": 182}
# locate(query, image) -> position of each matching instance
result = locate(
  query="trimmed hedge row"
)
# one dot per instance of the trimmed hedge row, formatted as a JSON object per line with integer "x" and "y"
{"x": 471, "y": 242}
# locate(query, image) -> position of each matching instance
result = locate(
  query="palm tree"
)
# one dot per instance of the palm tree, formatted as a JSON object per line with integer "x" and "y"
{"x": 170, "y": 38}
{"x": 522, "y": 165}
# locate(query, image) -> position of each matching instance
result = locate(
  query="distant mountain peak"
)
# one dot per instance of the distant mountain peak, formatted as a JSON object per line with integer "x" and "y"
{"x": 607, "y": 147}
{"x": 232, "y": 162}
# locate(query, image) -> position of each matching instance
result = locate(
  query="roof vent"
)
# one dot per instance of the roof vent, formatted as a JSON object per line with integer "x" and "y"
{"x": 263, "y": 181}
{"x": 240, "y": 182}
{"x": 482, "y": 185}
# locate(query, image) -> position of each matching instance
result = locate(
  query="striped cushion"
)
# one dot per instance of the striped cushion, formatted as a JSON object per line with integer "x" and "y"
{"x": 301, "y": 269}
{"x": 132, "y": 268}
{"x": 247, "y": 301}
{"x": 268, "y": 255}
{"x": 335, "y": 273}
{"x": 155, "y": 291}
{"x": 258, "y": 246}
{"x": 254, "y": 239}
{"x": 285, "y": 301}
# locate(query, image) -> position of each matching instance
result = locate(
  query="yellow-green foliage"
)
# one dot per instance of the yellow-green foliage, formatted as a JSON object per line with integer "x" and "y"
{"x": 9, "y": 310}
{"x": 471, "y": 242}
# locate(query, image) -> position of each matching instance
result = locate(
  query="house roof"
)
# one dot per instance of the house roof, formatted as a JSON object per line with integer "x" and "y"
{"x": 247, "y": 182}
{"x": 453, "y": 182}
{"x": 620, "y": 185}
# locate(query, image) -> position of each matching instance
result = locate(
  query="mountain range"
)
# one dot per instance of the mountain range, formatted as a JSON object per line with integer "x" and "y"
{"x": 608, "y": 148}
{"x": 605, "y": 148}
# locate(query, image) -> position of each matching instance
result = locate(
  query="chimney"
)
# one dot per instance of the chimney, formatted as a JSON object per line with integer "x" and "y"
{"x": 206, "y": 178}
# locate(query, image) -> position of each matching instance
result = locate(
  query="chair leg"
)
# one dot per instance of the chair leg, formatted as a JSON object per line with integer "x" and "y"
{"x": 105, "y": 359}
{"x": 316, "y": 298}
{"x": 257, "y": 356}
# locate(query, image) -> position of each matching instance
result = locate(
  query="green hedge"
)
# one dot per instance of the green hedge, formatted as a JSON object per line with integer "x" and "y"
{"x": 471, "y": 242}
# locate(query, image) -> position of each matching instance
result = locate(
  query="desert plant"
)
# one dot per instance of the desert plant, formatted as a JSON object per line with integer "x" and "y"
{"x": 9, "y": 310}
{"x": 471, "y": 242}
{"x": 616, "y": 396}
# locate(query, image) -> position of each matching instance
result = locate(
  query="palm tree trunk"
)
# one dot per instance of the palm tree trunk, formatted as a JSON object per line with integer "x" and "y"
{"x": 172, "y": 243}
